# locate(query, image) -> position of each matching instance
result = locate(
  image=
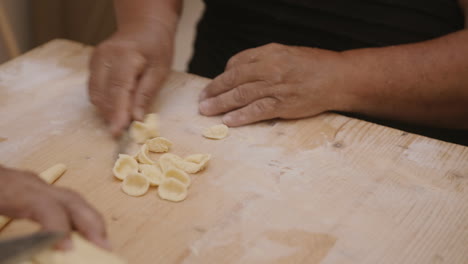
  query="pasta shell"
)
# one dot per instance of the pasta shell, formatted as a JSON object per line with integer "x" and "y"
{"x": 216, "y": 132}
{"x": 142, "y": 131}
{"x": 159, "y": 145}
{"x": 172, "y": 190}
{"x": 143, "y": 155}
{"x": 178, "y": 175}
{"x": 152, "y": 172}
{"x": 135, "y": 184}
{"x": 124, "y": 166}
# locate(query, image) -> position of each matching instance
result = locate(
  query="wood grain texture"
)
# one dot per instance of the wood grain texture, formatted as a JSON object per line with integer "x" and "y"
{"x": 328, "y": 189}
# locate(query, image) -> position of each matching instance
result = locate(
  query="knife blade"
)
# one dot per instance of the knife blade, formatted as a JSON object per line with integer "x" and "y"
{"x": 123, "y": 142}
{"x": 13, "y": 251}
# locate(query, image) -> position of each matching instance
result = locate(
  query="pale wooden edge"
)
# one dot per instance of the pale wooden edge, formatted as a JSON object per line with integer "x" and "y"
{"x": 66, "y": 42}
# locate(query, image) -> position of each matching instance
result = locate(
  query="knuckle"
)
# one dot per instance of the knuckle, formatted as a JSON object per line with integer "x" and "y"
{"x": 144, "y": 98}
{"x": 261, "y": 107}
{"x": 273, "y": 74}
{"x": 229, "y": 77}
{"x": 240, "y": 95}
{"x": 231, "y": 62}
{"x": 43, "y": 206}
{"x": 118, "y": 83}
{"x": 135, "y": 59}
{"x": 277, "y": 71}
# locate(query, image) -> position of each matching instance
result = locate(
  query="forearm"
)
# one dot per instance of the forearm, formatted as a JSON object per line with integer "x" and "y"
{"x": 148, "y": 12}
{"x": 425, "y": 83}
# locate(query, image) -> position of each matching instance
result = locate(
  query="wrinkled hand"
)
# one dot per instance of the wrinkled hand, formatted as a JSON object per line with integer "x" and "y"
{"x": 25, "y": 195}
{"x": 127, "y": 71}
{"x": 275, "y": 81}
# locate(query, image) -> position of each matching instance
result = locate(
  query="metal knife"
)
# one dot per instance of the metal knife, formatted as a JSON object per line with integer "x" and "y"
{"x": 14, "y": 251}
{"x": 123, "y": 142}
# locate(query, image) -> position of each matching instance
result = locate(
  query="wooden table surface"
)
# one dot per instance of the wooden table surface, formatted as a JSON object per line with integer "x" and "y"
{"x": 328, "y": 189}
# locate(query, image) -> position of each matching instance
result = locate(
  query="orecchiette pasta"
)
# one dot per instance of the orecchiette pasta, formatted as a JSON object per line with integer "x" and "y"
{"x": 125, "y": 166}
{"x": 135, "y": 184}
{"x": 216, "y": 132}
{"x": 142, "y": 131}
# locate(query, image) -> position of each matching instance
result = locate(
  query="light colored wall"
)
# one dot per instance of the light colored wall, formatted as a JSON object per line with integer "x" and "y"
{"x": 18, "y": 15}
{"x": 186, "y": 33}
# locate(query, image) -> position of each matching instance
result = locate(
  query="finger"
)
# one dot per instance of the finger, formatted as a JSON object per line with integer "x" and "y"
{"x": 147, "y": 89}
{"x": 234, "y": 77}
{"x": 99, "y": 72}
{"x": 100, "y": 69}
{"x": 84, "y": 218}
{"x": 121, "y": 83}
{"x": 52, "y": 217}
{"x": 259, "y": 110}
{"x": 250, "y": 55}
{"x": 233, "y": 99}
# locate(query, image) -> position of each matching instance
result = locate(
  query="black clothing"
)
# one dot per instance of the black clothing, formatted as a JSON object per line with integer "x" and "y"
{"x": 230, "y": 26}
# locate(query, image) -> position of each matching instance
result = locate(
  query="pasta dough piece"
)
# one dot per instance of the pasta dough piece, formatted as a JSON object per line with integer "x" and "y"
{"x": 50, "y": 176}
{"x": 125, "y": 166}
{"x": 143, "y": 155}
{"x": 166, "y": 161}
{"x": 135, "y": 184}
{"x": 172, "y": 190}
{"x": 169, "y": 160}
{"x": 83, "y": 252}
{"x": 216, "y": 132}
{"x": 178, "y": 175}
{"x": 142, "y": 131}
{"x": 53, "y": 173}
{"x": 159, "y": 144}
{"x": 200, "y": 159}
{"x": 152, "y": 172}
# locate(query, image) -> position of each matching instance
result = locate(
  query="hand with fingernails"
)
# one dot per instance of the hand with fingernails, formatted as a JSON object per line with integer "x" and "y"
{"x": 126, "y": 72}
{"x": 24, "y": 195}
{"x": 275, "y": 81}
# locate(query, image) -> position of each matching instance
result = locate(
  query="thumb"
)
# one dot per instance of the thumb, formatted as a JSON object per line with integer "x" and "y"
{"x": 147, "y": 90}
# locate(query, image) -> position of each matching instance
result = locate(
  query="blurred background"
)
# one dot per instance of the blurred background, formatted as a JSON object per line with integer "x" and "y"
{"x": 25, "y": 24}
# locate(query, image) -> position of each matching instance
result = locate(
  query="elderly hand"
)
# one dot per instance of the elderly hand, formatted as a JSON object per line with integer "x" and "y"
{"x": 275, "y": 81}
{"x": 127, "y": 71}
{"x": 25, "y": 195}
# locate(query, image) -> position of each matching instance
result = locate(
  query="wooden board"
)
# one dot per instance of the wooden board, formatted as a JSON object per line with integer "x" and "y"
{"x": 328, "y": 189}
